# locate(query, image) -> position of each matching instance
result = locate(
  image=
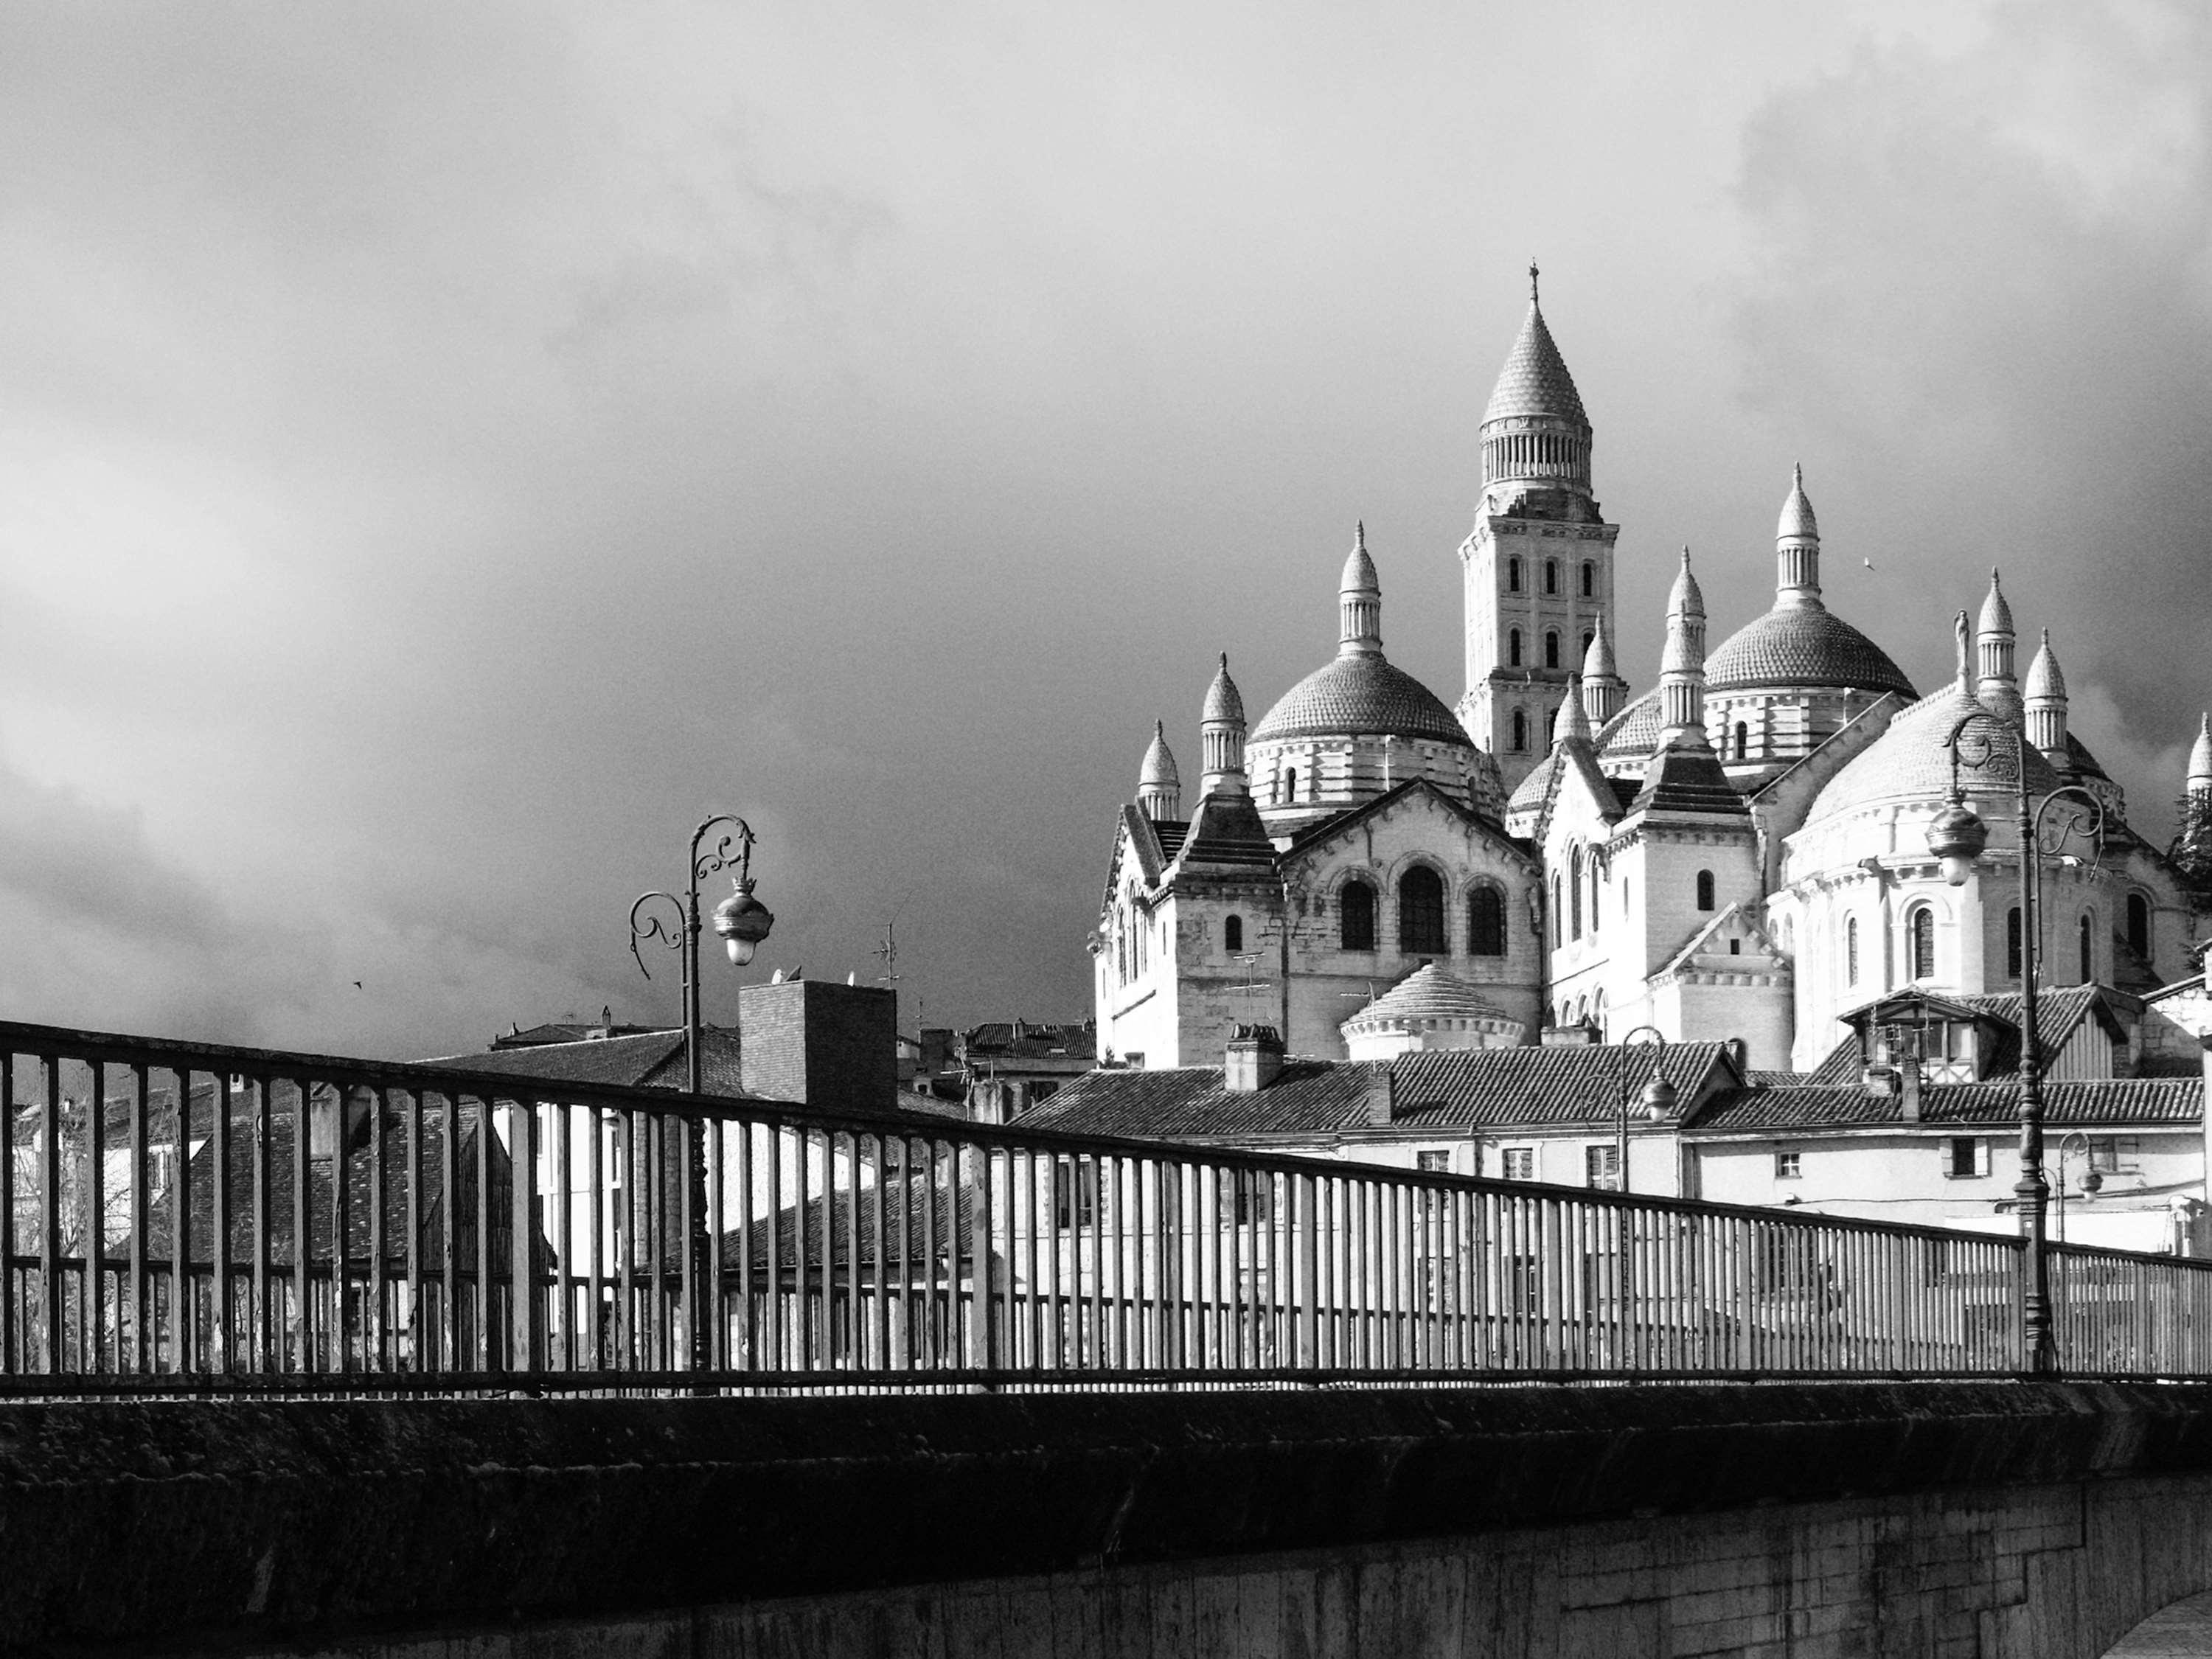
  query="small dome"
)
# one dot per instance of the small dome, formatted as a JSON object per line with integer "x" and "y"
{"x": 1429, "y": 993}
{"x": 1997, "y": 615}
{"x": 1159, "y": 769}
{"x": 1535, "y": 380}
{"x": 1797, "y": 522}
{"x": 1359, "y": 575}
{"x": 1597, "y": 661}
{"x": 2200, "y": 752}
{"x": 2044, "y": 679}
{"x": 1536, "y": 783}
{"x": 1686, "y": 598}
{"x": 1356, "y": 696}
{"x": 1222, "y": 702}
{"x": 1802, "y": 645}
{"x": 1910, "y": 761}
{"x": 1633, "y": 733}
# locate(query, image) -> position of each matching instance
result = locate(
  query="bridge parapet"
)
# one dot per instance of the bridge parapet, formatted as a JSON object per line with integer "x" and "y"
{"x": 190, "y": 1218}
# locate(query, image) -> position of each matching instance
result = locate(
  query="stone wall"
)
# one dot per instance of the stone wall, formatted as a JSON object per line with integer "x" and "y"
{"x": 1995, "y": 1519}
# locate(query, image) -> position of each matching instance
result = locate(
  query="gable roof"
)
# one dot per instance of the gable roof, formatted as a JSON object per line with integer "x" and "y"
{"x": 1811, "y": 1107}
{"x": 1681, "y": 779}
{"x": 2059, "y": 1014}
{"x": 1737, "y": 914}
{"x": 1342, "y": 823}
{"x": 653, "y": 1060}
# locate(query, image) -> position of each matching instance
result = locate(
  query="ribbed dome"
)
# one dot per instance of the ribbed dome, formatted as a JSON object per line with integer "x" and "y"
{"x": 1429, "y": 993}
{"x": 1222, "y": 701}
{"x": 1356, "y": 695}
{"x": 1528, "y": 793}
{"x": 1802, "y": 645}
{"x": 1909, "y": 760}
{"x": 1159, "y": 767}
{"x": 1535, "y": 380}
{"x": 1633, "y": 733}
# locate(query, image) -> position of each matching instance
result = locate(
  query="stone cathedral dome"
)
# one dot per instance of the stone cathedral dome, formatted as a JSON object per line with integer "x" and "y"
{"x": 1802, "y": 645}
{"x": 1361, "y": 696}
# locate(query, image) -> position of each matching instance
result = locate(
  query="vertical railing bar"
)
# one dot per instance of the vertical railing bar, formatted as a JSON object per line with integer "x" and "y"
{"x": 603, "y": 1316}
{"x": 290, "y": 1347}
{"x": 748, "y": 1353}
{"x": 713, "y": 1130}
{"x": 855, "y": 1359}
{"x": 340, "y": 1331}
{"x": 256, "y": 1108}
{"x": 654, "y": 1226}
{"x": 561, "y": 1354}
{"x": 449, "y": 1355}
{"x": 183, "y": 1298}
{"x": 525, "y": 1323}
{"x": 92, "y": 1295}
{"x": 418, "y": 1333}
{"x": 143, "y": 1352}
{"x": 375, "y": 1313}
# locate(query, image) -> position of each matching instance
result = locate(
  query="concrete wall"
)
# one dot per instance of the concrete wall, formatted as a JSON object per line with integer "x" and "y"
{"x": 1531, "y": 1523}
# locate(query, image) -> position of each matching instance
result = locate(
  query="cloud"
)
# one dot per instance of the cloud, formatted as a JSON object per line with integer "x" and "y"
{"x": 1984, "y": 298}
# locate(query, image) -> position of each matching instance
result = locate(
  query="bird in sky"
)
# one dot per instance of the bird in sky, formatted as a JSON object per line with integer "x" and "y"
{"x": 1869, "y": 563}
{"x": 357, "y": 985}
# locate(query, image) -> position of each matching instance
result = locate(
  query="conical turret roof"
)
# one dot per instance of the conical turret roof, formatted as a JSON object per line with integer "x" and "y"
{"x": 1997, "y": 615}
{"x": 2044, "y": 678}
{"x": 1359, "y": 575}
{"x": 1535, "y": 380}
{"x": 1597, "y": 661}
{"x": 1222, "y": 701}
{"x": 1797, "y": 522}
{"x": 1686, "y": 598}
{"x": 1573, "y": 719}
{"x": 2200, "y": 753}
{"x": 1159, "y": 771}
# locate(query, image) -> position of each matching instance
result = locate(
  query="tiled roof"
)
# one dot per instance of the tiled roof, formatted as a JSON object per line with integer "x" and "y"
{"x": 1226, "y": 830}
{"x": 566, "y": 1031}
{"x": 1439, "y": 1090}
{"x": 1688, "y": 781}
{"x": 1633, "y": 732}
{"x": 654, "y": 1061}
{"x": 1361, "y": 694}
{"x": 1802, "y": 645}
{"x": 1535, "y": 380}
{"x": 1994, "y": 1105}
{"x": 1909, "y": 759}
{"x": 2058, "y": 1012}
{"x": 1528, "y": 795}
{"x": 1029, "y": 1039}
{"x": 1309, "y": 1096}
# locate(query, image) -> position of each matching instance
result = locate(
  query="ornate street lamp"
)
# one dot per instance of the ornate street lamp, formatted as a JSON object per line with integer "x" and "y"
{"x": 742, "y": 921}
{"x": 1956, "y": 838}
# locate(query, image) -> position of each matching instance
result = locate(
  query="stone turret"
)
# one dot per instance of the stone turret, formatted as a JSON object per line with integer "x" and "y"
{"x": 1682, "y": 667}
{"x": 1573, "y": 718}
{"x": 1997, "y": 686}
{"x": 1603, "y": 690}
{"x": 1359, "y": 602}
{"x": 1159, "y": 787}
{"x": 1797, "y": 547}
{"x": 2044, "y": 706}
{"x": 1221, "y": 737}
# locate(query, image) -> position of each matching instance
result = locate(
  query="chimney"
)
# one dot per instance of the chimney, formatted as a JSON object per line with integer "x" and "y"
{"x": 1382, "y": 1095}
{"x": 1908, "y": 1089}
{"x": 821, "y": 1043}
{"x": 1254, "y": 1059}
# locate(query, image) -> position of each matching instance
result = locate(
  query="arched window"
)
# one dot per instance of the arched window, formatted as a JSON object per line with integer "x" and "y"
{"x": 1851, "y": 951}
{"x": 2089, "y": 947}
{"x": 1232, "y": 934}
{"x": 2139, "y": 925}
{"x": 1623, "y": 895}
{"x": 1587, "y": 637}
{"x": 1557, "y": 936}
{"x": 2014, "y": 954}
{"x": 1520, "y": 731}
{"x": 1551, "y": 648}
{"x": 1595, "y": 876}
{"x": 1551, "y": 575}
{"x": 1589, "y": 580}
{"x": 1421, "y": 913}
{"x": 1485, "y": 922}
{"x": 1513, "y": 575}
{"x": 1920, "y": 942}
{"x": 1513, "y": 648}
{"x": 1742, "y": 740}
{"x": 1574, "y": 893}
{"x": 1704, "y": 889}
{"x": 1291, "y": 784}
{"x": 1355, "y": 916}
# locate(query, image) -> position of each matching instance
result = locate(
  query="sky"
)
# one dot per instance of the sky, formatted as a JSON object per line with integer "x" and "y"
{"x": 447, "y": 452}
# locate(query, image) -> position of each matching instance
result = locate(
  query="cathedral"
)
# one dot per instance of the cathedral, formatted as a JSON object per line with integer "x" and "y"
{"x": 1738, "y": 853}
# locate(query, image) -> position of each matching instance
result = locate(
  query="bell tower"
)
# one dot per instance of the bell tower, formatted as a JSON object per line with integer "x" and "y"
{"x": 1539, "y": 561}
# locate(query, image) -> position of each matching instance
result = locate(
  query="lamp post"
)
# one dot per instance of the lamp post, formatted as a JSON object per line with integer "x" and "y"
{"x": 1659, "y": 1095}
{"x": 1956, "y": 838}
{"x": 742, "y": 921}
{"x": 2092, "y": 1182}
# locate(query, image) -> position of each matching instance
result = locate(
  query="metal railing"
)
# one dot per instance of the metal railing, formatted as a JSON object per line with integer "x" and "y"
{"x": 188, "y": 1218}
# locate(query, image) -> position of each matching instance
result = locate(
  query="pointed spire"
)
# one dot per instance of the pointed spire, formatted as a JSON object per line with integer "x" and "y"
{"x": 1997, "y": 615}
{"x": 1682, "y": 680}
{"x": 1797, "y": 547}
{"x": 1160, "y": 786}
{"x": 1221, "y": 734}
{"x": 1685, "y": 603}
{"x": 2200, "y": 758}
{"x": 1602, "y": 686}
{"x": 1572, "y": 719}
{"x": 2042, "y": 712}
{"x": 1359, "y": 602}
{"x": 1997, "y": 687}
